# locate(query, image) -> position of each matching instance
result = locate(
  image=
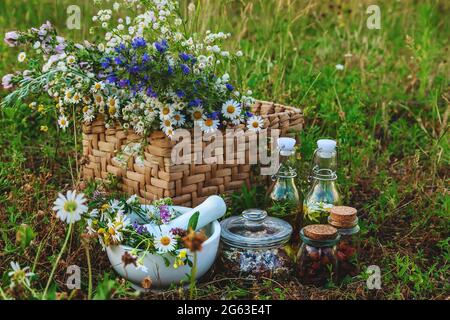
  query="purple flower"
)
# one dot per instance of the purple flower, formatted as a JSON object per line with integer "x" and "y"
{"x": 145, "y": 58}
{"x": 249, "y": 114}
{"x": 140, "y": 229}
{"x": 229, "y": 87}
{"x": 124, "y": 83}
{"x": 164, "y": 214}
{"x": 185, "y": 69}
{"x": 161, "y": 46}
{"x": 185, "y": 57}
{"x": 118, "y": 61}
{"x": 138, "y": 42}
{"x": 106, "y": 63}
{"x": 180, "y": 93}
{"x": 214, "y": 115}
{"x": 11, "y": 38}
{"x": 169, "y": 70}
{"x": 121, "y": 47}
{"x": 151, "y": 93}
{"x": 6, "y": 81}
{"x": 112, "y": 78}
{"x": 195, "y": 103}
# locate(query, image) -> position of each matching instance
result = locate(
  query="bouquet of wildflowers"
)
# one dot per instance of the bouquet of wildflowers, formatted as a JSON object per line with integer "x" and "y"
{"x": 145, "y": 74}
{"x": 114, "y": 222}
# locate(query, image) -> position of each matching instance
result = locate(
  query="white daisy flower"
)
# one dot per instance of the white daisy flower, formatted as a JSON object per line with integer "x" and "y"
{"x": 76, "y": 98}
{"x": 165, "y": 242}
{"x": 19, "y": 275}
{"x": 68, "y": 94}
{"x": 113, "y": 105}
{"x": 339, "y": 67}
{"x": 116, "y": 227}
{"x": 197, "y": 114}
{"x": 99, "y": 101}
{"x": 21, "y": 57}
{"x": 98, "y": 86}
{"x": 69, "y": 208}
{"x": 166, "y": 123}
{"x": 255, "y": 123}
{"x": 71, "y": 59}
{"x": 179, "y": 118}
{"x": 166, "y": 111}
{"x": 231, "y": 109}
{"x": 63, "y": 122}
{"x": 87, "y": 100}
{"x": 169, "y": 132}
{"x": 209, "y": 125}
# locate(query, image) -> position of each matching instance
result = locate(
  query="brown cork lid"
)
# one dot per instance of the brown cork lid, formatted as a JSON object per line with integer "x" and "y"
{"x": 320, "y": 232}
{"x": 343, "y": 216}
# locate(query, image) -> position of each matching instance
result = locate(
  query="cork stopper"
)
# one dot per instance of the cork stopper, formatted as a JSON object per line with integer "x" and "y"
{"x": 343, "y": 217}
{"x": 320, "y": 232}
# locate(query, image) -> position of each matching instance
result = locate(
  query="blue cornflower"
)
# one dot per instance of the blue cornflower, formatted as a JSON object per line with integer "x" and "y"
{"x": 214, "y": 115}
{"x": 229, "y": 87}
{"x": 112, "y": 78}
{"x": 195, "y": 103}
{"x": 118, "y": 61}
{"x": 161, "y": 46}
{"x": 124, "y": 83}
{"x": 249, "y": 114}
{"x": 180, "y": 93}
{"x": 185, "y": 57}
{"x": 151, "y": 93}
{"x": 121, "y": 47}
{"x": 138, "y": 42}
{"x": 145, "y": 58}
{"x": 169, "y": 70}
{"x": 185, "y": 68}
{"x": 106, "y": 63}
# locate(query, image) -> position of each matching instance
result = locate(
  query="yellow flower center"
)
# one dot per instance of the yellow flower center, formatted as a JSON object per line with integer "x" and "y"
{"x": 165, "y": 241}
{"x": 70, "y": 206}
{"x": 197, "y": 115}
{"x": 177, "y": 117}
{"x": 255, "y": 124}
{"x": 165, "y": 111}
{"x": 62, "y": 122}
{"x": 231, "y": 109}
{"x": 112, "y": 110}
{"x": 167, "y": 123}
{"x": 112, "y": 102}
{"x": 98, "y": 86}
{"x": 209, "y": 122}
{"x": 85, "y": 109}
{"x": 98, "y": 99}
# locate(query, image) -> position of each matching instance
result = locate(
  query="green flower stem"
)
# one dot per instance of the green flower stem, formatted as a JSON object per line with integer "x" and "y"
{"x": 192, "y": 287}
{"x": 88, "y": 258}
{"x": 44, "y": 295}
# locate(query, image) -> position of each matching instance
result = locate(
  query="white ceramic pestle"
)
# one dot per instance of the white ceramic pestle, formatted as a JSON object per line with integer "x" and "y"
{"x": 210, "y": 210}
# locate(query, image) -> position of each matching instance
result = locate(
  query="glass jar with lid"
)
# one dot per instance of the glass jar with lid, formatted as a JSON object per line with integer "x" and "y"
{"x": 316, "y": 260}
{"x": 345, "y": 220}
{"x": 253, "y": 244}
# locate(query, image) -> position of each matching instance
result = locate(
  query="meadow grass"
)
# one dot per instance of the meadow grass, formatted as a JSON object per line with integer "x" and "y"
{"x": 388, "y": 109}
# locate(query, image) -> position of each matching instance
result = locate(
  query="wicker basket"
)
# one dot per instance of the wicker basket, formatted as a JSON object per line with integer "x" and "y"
{"x": 157, "y": 177}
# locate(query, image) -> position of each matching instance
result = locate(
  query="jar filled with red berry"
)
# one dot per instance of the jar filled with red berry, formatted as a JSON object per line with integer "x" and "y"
{"x": 345, "y": 220}
{"x": 316, "y": 259}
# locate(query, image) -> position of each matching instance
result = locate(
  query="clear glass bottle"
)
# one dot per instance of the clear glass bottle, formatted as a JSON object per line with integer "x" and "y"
{"x": 323, "y": 193}
{"x": 317, "y": 262}
{"x": 286, "y": 202}
{"x": 344, "y": 219}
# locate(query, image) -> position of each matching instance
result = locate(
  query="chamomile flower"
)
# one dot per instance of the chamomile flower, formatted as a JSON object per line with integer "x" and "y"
{"x": 167, "y": 123}
{"x": 209, "y": 125}
{"x": 69, "y": 208}
{"x": 255, "y": 123}
{"x": 197, "y": 114}
{"x": 63, "y": 122}
{"x": 231, "y": 109}
{"x": 19, "y": 275}
{"x": 98, "y": 86}
{"x": 166, "y": 112}
{"x": 76, "y": 98}
{"x": 178, "y": 118}
{"x": 99, "y": 100}
{"x": 113, "y": 106}
{"x": 165, "y": 242}
{"x": 71, "y": 60}
{"x": 68, "y": 94}
{"x": 116, "y": 227}
{"x": 21, "y": 57}
{"x": 87, "y": 100}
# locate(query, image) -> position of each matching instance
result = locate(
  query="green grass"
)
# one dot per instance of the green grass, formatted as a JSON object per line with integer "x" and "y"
{"x": 388, "y": 109}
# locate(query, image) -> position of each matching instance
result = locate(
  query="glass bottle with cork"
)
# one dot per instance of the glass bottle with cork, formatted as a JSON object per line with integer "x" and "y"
{"x": 316, "y": 262}
{"x": 345, "y": 220}
{"x": 286, "y": 201}
{"x": 323, "y": 193}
